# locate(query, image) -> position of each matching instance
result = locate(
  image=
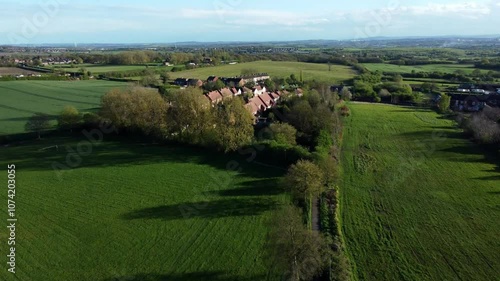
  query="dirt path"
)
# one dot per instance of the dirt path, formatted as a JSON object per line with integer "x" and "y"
{"x": 315, "y": 214}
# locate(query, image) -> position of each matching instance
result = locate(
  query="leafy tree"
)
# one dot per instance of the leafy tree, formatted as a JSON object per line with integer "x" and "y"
{"x": 313, "y": 98}
{"x": 38, "y": 123}
{"x": 135, "y": 109}
{"x": 364, "y": 90}
{"x": 270, "y": 85}
{"x": 250, "y": 84}
{"x": 149, "y": 80}
{"x": 304, "y": 179}
{"x": 219, "y": 84}
{"x": 301, "y": 254}
{"x": 429, "y": 87}
{"x": 190, "y": 117}
{"x": 346, "y": 94}
{"x": 444, "y": 103}
{"x": 69, "y": 118}
{"x": 283, "y": 133}
{"x": 384, "y": 93}
{"x": 397, "y": 78}
{"x": 233, "y": 125}
{"x": 164, "y": 76}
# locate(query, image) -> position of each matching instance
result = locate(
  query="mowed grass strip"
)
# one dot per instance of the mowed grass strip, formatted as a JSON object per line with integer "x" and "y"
{"x": 419, "y": 201}
{"x": 21, "y": 99}
{"x": 138, "y": 212}
{"x": 310, "y": 71}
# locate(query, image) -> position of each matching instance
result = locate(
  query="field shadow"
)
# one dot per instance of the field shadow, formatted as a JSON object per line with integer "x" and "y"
{"x": 43, "y": 155}
{"x": 264, "y": 187}
{"x": 209, "y": 209}
{"x": 193, "y": 276}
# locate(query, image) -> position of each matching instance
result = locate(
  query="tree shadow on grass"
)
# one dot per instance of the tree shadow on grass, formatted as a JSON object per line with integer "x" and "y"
{"x": 209, "y": 209}
{"x": 194, "y": 276}
{"x": 43, "y": 155}
{"x": 264, "y": 187}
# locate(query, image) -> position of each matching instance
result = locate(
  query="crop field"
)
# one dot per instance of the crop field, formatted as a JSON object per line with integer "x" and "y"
{"x": 139, "y": 212}
{"x": 21, "y": 99}
{"x": 419, "y": 202}
{"x": 311, "y": 71}
{"x": 445, "y": 68}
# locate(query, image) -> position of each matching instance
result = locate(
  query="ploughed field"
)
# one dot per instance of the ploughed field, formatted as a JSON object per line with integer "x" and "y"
{"x": 419, "y": 201}
{"x": 138, "y": 212}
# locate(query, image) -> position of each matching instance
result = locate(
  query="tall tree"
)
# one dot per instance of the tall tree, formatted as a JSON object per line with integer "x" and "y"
{"x": 190, "y": 118}
{"x": 301, "y": 254}
{"x": 38, "y": 123}
{"x": 444, "y": 103}
{"x": 304, "y": 179}
{"x": 234, "y": 125}
{"x": 69, "y": 118}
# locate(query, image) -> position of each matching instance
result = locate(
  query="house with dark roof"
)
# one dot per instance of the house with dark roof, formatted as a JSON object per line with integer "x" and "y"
{"x": 195, "y": 83}
{"x": 212, "y": 79}
{"x": 181, "y": 82}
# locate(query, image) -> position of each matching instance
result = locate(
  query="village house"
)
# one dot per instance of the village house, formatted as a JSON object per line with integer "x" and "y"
{"x": 256, "y": 78}
{"x": 212, "y": 79}
{"x": 226, "y": 93}
{"x": 195, "y": 83}
{"x": 184, "y": 82}
{"x": 259, "y": 90}
{"x": 236, "y": 92}
{"x": 181, "y": 82}
{"x": 266, "y": 100}
{"x": 214, "y": 97}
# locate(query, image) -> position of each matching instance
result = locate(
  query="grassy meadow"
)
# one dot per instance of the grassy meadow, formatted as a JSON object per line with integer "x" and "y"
{"x": 445, "y": 68}
{"x": 21, "y": 99}
{"x": 139, "y": 212}
{"x": 419, "y": 202}
{"x": 310, "y": 71}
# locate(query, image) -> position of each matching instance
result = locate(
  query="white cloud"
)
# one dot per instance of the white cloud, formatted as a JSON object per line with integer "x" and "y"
{"x": 464, "y": 8}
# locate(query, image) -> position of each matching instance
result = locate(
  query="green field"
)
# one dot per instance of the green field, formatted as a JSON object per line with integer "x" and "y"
{"x": 310, "y": 71}
{"x": 21, "y": 99}
{"x": 139, "y": 212}
{"x": 445, "y": 68}
{"x": 419, "y": 201}
{"x": 99, "y": 69}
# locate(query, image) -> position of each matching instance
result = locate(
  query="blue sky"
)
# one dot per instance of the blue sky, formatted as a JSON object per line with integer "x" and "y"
{"x": 155, "y": 21}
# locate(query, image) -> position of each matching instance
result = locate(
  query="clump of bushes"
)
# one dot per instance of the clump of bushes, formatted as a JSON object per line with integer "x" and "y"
{"x": 345, "y": 111}
{"x": 483, "y": 126}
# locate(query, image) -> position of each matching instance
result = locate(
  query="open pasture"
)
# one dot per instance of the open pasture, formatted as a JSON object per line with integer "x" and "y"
{"x": 419, "y": 201}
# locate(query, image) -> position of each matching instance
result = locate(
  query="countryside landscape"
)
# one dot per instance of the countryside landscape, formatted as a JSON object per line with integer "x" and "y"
{"x": 250, "y": 151}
